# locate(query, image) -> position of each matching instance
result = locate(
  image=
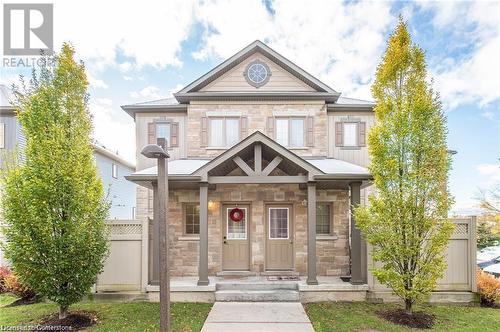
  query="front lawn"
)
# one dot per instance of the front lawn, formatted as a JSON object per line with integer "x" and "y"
{"x": 127, "y": 316}
{"x": 360, "y": 316}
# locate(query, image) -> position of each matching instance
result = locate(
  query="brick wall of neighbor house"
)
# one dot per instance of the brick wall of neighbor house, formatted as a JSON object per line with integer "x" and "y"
{"x": 257, "y": 114}
{"x": 332, "y": 255}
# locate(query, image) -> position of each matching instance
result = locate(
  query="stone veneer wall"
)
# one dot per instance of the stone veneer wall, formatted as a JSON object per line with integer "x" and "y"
{"x": 332, "y": 254}
{"x": 257, "y": 114}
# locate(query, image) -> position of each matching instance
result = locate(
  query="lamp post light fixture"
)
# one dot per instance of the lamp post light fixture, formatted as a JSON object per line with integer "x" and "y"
{"x": 157, "y": 151}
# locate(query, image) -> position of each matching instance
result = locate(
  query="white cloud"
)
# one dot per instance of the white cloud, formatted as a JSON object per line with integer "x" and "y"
{"x": 149, "y": 32}
{"x": 491, "y": 171}
{"x": 149, "y": 92}
{"x": 488, "y": 115}
{"x": 95, "y": 82}
{"x": 175, "y": 89}
{"x": 113, "y": 128}
{"x": 339, "y": 43}
{"x": 476, "y": 78}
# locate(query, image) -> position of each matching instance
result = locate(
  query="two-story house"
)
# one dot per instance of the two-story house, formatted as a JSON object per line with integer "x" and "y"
{"x": 265, "y": 164}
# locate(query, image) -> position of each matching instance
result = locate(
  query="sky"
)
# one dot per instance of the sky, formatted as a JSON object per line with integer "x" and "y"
{"x": 144, "y": 50}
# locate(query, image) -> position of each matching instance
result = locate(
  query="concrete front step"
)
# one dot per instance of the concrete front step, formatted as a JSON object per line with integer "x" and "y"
{"x": 255, "y": 286}
{"x": 277, "y": 295}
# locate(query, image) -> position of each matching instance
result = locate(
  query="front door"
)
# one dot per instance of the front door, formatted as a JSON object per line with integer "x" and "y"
{"x": 279, "y": 243}
{"x": 235, "y": 239}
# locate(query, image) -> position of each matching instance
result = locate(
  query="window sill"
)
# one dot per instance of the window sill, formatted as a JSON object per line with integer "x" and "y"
{"x": 326, "y": 237}
{"x": 217, "y": 148}
{"x": 350, "y": 148}
{"x": 188, "y": 238}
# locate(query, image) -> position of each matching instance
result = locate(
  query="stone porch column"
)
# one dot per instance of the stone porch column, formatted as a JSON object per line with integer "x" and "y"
{"x": 311, "y": 234}
{"x": 203, "y": 243}
{"x": 358, "y": 264}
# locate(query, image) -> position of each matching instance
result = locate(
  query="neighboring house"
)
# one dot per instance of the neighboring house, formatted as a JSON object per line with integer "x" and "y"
{"x": 257, "y": 136}
{"x": 112, "y": 167}
{"x": 121, "y": 193}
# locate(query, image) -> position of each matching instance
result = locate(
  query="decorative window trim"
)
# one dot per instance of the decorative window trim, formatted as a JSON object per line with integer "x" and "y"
{"x": 210, "y": 146}
{"x": 249, "y": 81}
{"x": 360, "y": 135}
{"x": 289, "y": 118}
{"x": 188, "y": 236}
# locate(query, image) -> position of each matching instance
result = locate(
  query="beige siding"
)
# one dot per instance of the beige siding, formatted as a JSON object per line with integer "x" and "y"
{"x": 358, "y": 156}
{"x": 280, "y": 79}
{"x": 257, "y": 114}
{"x": 141, "y": 127}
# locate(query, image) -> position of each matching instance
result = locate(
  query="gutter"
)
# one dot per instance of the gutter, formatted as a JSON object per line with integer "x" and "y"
{"x": 171, "y": 178}
{"x": 345, "y": 176}
{"x": 326, "y": 96}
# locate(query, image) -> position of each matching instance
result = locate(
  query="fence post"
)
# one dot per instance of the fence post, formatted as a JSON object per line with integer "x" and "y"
{"x": 144, "y": 253}
{"x": 473, "y": 252}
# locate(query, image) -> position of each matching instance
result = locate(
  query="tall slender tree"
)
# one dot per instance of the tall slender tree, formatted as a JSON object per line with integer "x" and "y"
{"x": 406, "y": 220}
{"x": 53, "y": 202}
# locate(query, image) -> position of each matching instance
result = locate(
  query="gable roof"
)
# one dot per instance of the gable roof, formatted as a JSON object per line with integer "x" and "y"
{"x": 256, "y": 46}
{"x": 257, "y": 137}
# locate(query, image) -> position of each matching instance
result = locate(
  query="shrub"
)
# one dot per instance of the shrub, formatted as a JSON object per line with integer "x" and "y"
{"x": 488, "y": 288}
{"x": 4, "y": 272}
{"x": 14, "y": 286}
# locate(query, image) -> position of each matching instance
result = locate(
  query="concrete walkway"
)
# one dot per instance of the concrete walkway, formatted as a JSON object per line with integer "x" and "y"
{"x": 257, "y": 316}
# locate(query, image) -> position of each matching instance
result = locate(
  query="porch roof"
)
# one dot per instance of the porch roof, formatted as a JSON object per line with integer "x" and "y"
{"x": 183, "y": 169}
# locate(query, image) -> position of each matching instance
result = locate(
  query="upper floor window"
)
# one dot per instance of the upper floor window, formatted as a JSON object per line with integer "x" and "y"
{"x": 290, "y": 131}
{"x": 114, "y": 171}
{"x": 350, "y": 134}
{"x": 167, "y": 129}
{"x": 163, "y": 131}
{"x": 224, "y": 132}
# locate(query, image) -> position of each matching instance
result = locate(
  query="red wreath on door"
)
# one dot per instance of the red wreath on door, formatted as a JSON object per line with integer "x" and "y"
{"x": 236, "y": 214}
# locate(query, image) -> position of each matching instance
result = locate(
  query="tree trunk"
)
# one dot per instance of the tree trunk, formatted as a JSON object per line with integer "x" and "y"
{"x": 409, "y": 306}
{"x": 63, "y": 312}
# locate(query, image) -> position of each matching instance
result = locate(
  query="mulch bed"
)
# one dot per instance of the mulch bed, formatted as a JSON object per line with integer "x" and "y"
{"x": 26, "y": 301}
{"x": 419, "y": 319}
{"x": 77, "y": 320}
{"x": 489, "y": 304}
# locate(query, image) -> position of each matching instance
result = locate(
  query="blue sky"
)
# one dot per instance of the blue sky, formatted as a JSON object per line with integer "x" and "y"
{"x": 147, "y": 50}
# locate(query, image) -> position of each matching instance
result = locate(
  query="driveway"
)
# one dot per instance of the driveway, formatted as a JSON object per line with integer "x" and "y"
{"x": 257, "y": 316}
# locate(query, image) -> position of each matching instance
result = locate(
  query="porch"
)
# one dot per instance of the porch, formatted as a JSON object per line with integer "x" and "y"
{"x": 261, "y": 289}
{"x": 278, "y": 192}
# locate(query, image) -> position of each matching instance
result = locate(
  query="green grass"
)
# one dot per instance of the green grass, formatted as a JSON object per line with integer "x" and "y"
{"x": 126, "y": 316}
{"x": 332, "y": 316}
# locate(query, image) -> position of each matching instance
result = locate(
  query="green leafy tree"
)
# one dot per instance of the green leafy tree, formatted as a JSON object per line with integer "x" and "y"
{"x": 53, "y": 202}
{"x": 406, "y": 220}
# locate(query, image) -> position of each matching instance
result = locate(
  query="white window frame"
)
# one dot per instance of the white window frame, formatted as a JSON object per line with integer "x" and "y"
{"x": 287, "y": 223}
{"x": 224, "y": 130}
{"x": 356, "y": 134}
{"x": 289, "y": 138}
{"x": 227, "y": 224}
{"x": 114, "y": 171}
{"x": 164, "y": 122}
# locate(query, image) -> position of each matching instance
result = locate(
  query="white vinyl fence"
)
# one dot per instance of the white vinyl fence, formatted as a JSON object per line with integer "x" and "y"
{"x": 125, "y": 268}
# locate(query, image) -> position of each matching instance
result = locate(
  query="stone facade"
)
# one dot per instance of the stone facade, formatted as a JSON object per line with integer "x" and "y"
{"x": 332, "y": 252}
{"x": 257, "y": 114}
